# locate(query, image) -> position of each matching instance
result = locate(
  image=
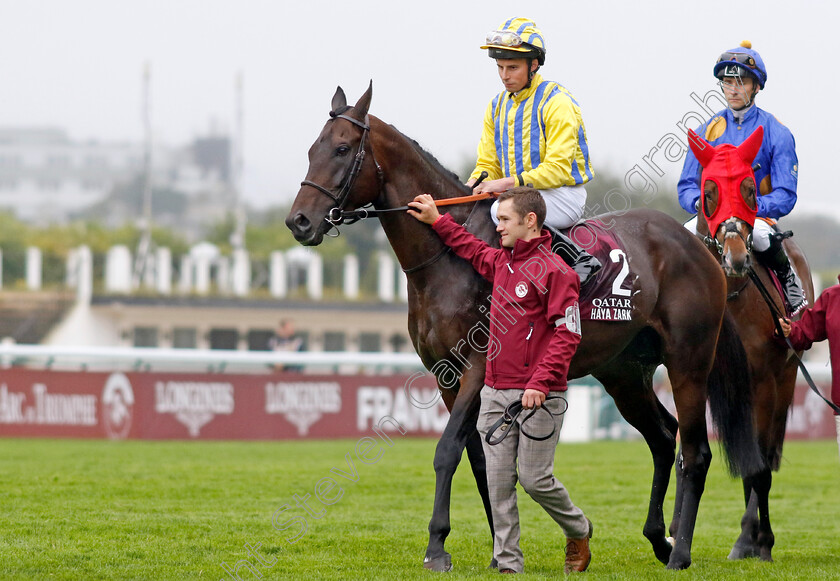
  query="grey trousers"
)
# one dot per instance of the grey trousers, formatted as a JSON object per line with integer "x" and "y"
{"x": 535, "y": 474}
{"x": 837, "y": 421}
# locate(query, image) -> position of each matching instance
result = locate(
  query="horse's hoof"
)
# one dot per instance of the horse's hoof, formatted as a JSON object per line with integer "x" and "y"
{"x": 442, "y": 564}
{"x": 662, "y": 550}
{"x": 678, "y": 562}
{"x": 766, "y": 555}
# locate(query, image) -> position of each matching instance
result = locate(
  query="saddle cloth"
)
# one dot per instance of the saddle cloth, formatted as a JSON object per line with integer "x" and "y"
{"x": 609, "y": 296}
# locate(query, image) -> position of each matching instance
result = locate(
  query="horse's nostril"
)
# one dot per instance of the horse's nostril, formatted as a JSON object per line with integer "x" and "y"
{"x": 302, "y": 223}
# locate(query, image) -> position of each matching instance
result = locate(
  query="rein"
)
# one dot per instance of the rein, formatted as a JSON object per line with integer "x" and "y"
{"x": 774, "y": 311}
{"x": 512, "y": 412}
{"x": 351, "y": 216}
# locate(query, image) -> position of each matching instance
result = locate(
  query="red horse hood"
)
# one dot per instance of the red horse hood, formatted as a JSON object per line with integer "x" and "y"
{"x": 727, "y": 166}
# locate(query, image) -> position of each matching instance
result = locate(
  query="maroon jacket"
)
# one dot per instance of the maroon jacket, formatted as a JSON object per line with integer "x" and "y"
{"x": 819, "y": 323}
{"x": 534, "y": 314}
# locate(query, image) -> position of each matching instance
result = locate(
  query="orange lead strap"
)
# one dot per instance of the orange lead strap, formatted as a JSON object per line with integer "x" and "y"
{"x": 466, "y": 199}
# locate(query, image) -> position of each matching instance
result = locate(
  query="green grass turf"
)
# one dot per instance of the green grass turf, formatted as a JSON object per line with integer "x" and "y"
{"x": 176, "y": 510}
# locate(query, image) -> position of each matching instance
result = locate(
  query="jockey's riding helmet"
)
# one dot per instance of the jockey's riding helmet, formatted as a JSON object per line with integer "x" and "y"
{"x": 515, "y": 39}
{"x": 740, "y": 60}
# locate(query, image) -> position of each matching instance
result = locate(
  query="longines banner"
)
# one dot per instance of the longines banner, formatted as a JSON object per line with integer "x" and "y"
{"x": 282, "y": 406}
{"x": 215, "y": 406}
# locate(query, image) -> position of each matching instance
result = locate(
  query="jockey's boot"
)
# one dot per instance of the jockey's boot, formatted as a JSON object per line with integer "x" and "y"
{"x": 583, "y": 263}
{"x": 777, "y": 259}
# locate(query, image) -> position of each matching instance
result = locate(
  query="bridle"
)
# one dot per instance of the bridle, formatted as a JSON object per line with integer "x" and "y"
{"x": 335, "y": 215}
{"x": 338, "y": 215}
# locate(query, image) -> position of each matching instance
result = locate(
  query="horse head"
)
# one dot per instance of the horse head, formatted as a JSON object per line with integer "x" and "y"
{"x": 342, "y": 175}
{"x": 728, "y": 204}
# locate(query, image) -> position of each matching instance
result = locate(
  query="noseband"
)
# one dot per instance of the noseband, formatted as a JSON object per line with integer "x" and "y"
{"x": 728, "y": 229}
{"x": 334, "y": 216}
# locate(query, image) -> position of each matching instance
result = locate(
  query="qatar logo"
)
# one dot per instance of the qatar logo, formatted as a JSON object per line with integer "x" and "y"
{"x": 117, "y": 406}
{"x": 521, "y": 290}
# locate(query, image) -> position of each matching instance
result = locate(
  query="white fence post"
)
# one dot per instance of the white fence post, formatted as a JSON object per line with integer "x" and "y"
{"x": 185, "y": 280}
{"x": 351, "y": 276}
{"x": 33, "y": 268}
{"x": 241, "y": 273}
{"x": 315, "y": 277}
{"x": 118, "y": 270}
{"x": 163, "y": 271}
{"x": 386, "y": 277}
{"x": 278, "y": 284}
{"x": 202, "y": 274}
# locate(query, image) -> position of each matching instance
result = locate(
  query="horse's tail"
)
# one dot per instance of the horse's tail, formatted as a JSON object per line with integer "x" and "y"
{"x": 731, "y": 403}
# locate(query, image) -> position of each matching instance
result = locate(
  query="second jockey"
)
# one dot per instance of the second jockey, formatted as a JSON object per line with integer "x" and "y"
{"x": 741, "y": 74}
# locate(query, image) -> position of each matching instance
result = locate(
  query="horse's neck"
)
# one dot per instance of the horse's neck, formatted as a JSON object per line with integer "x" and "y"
{"x": 408, "y": 173}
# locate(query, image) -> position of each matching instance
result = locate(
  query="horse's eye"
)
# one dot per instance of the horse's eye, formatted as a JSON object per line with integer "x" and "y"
{"x": 342, "y": 150}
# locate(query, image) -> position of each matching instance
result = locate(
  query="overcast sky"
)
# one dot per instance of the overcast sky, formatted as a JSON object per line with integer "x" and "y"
{"x": 77, "y": 64}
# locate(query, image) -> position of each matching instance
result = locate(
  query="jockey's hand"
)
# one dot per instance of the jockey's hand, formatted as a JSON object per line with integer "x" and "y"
{"x": 785, "y": 325}
{"x": 496, "y": 186}
{"x": 423, "y": 208}
{"x": 532, "y": 398}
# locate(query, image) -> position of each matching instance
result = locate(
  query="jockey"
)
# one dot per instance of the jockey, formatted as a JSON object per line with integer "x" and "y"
{"x": 742, "y": 75}
{"x": 534, "y": 135}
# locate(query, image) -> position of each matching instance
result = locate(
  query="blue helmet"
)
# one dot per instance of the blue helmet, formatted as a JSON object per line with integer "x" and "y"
{"x": 739, "y": 60}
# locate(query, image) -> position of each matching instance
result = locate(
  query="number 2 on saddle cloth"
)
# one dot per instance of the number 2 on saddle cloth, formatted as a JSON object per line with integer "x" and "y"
{"x": 609, "y": 295}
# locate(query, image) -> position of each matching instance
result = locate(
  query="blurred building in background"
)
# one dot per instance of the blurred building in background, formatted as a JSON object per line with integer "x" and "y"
{"x": 48, "y": 177}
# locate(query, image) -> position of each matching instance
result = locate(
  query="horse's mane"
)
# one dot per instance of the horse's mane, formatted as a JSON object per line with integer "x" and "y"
{"x": 429, "y": 157}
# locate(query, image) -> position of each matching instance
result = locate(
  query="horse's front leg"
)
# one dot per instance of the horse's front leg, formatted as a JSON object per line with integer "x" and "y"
{"x": 460, "y": 427}
{"x": 475, "y": 453}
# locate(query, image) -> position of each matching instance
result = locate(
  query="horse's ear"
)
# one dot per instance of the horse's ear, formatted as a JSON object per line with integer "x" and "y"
{"x": 339, "y": 100}
{"x": 702, "y": 149}
{"x": 363, "y": 104}
{"x": 749, "y": 149}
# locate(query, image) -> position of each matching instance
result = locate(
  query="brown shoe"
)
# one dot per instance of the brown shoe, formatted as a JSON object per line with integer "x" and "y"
{"x": 507, "y": 571}
{"x": 578, "y": 555}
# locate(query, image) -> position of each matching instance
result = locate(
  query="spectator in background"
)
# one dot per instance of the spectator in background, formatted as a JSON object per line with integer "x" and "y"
{"x": 286, "y": 339}
{"x": 818, "y": 324}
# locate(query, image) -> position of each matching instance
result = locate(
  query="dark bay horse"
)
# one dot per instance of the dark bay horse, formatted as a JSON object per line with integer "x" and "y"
{"x": 772, "y": 365}
{"x": 679, "y": 298}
